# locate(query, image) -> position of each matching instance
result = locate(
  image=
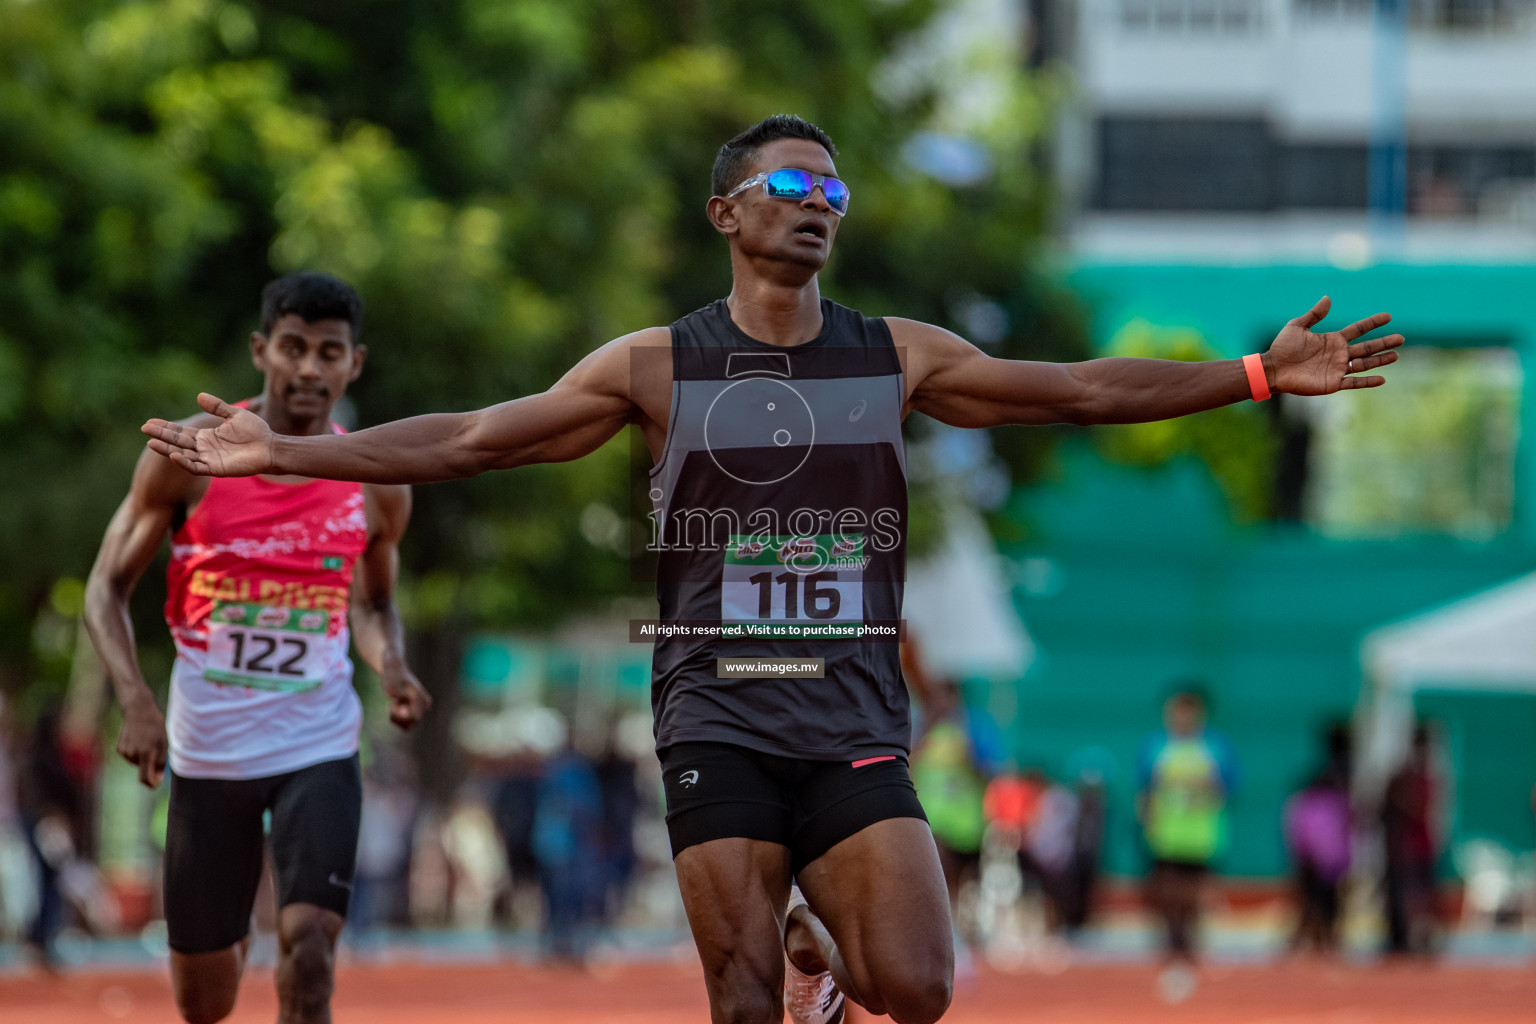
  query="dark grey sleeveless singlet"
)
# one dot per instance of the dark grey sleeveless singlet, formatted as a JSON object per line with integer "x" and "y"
{"x": 780, "y": 503}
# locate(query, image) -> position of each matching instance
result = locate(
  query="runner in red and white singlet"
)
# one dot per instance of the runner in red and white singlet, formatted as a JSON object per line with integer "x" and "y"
{"x": 258, "y": 584}
{"x": 272, "y": 580}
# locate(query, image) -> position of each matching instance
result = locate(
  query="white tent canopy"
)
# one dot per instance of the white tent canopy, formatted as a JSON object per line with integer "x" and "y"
{"x": 1482, "y": 643}
{"x": 959, "y": 606}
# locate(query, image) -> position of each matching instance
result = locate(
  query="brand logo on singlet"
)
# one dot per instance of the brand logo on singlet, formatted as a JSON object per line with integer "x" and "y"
{"x": 797, "y": 549}
{"x": 273, "y": 617}
{"x": 688, "y": 778}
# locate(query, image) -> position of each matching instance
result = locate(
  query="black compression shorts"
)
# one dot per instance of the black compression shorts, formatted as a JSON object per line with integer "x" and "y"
{"x": 722, "y": 791}
{"x": 213, "y": 848}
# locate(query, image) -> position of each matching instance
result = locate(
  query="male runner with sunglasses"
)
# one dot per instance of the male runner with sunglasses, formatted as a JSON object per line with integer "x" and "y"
{"x": 774, "y": 418}
{"x": 262, "y": 715}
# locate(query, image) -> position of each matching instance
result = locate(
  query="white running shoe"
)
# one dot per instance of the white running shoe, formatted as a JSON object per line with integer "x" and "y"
{"x": 809, "y": 998}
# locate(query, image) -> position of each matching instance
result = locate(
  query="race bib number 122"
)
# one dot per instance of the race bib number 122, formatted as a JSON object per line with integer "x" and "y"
{"x": 267, "y": 647}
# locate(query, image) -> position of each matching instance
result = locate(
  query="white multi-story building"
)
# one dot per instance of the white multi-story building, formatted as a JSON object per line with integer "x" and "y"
{"x": 1254, "y": 121}
{"x": 1221, "y": 161}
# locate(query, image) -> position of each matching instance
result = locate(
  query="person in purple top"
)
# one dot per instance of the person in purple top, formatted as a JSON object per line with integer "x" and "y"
{"x": 1317, "y": 822}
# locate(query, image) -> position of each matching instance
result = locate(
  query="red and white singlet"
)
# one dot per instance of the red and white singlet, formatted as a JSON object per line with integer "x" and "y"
{"x": 258, "y": 584}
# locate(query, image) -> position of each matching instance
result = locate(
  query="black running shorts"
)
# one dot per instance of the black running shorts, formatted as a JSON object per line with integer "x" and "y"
{"x": 722, "y": 791}
{"x": 213, "y": 848}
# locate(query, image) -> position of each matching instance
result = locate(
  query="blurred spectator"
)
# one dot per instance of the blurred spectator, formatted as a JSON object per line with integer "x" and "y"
{"x": 380, "y": 896}
{"x": 1317, "y": 835}
{"x": 508, "y": 749}
{"x": 476, "y": 865}
{"x": 1186, "y": 774}
{"x": 616, "y": 839}
{"x": 51, "y": 802}
{"x": 1059, "y": 835}
{"x": 956, "y": 751}
{"x": 432, "y": 871}
{"x": 1408, "y": 814}
{"x": 1076, "y": 898}
{"x": 1011, "y": 801}
{"x": 18, "y": 873}
{"x": 514, "y": 801}
{"x": 566, "y": 822}
{"x": 1049, "y": 844}
{"x": 567, "y": 828}
{"x": 1010, "y": 804}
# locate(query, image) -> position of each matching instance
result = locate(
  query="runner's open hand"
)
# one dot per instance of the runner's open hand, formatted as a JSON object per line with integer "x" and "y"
{"x": 142, "y": 743}
{"x": 240, "y": 446}
{"x": 408, "y": 699}
{"x": 1320, "y": 364}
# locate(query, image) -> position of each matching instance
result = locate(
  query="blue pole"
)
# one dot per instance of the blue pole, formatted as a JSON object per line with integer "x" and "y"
{"x": 1388, "y": 166}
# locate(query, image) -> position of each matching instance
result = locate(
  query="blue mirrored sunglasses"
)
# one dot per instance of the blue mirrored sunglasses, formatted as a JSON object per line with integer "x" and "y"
{"x": 793, "y": 183}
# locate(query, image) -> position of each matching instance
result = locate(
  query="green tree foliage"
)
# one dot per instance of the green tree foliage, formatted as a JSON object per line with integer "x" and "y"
{"x": 509, "y": 183}
{"x": 1235, "y": 442}
{"x": 1432, "y": 453}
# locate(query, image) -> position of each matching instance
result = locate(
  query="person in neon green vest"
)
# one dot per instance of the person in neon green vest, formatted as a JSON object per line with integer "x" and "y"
{"x": 956, "y": 751}
{"x": 1186, "y": 774}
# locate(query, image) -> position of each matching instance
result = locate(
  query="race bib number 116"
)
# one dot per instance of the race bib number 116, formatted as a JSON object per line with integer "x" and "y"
{"x": 267, "y": 647}
{"x": 816, "y": 579}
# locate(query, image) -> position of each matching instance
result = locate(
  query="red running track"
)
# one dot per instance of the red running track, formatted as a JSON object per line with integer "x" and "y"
{"x": 668, "y": 993}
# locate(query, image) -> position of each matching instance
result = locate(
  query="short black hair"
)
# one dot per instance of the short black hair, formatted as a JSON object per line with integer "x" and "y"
{"x": 736, "y": 156}
{"x": 1189, "y": 693}
{"x": 313, "y": 296}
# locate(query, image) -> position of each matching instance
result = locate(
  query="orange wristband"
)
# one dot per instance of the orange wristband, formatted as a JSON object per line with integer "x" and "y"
{"x": 1258, "y": 385}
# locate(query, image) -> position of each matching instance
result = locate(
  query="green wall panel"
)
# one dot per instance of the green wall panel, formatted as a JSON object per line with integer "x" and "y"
{"x": 1152, "y": 583}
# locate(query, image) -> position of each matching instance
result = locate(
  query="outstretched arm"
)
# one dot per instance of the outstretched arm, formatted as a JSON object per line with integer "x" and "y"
{"x": 585, "y": 408}
{"x": 957, "y": 383}
{"x": 376, "y": 629}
